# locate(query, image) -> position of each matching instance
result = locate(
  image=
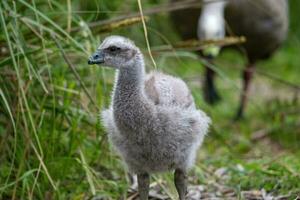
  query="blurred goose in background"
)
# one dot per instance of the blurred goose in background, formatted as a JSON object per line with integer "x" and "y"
{"x": 152, "y": 122}
{"x": 264, "y": 23}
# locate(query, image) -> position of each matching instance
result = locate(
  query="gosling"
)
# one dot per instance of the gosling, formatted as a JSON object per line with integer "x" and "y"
{"x": 152, "y": 122}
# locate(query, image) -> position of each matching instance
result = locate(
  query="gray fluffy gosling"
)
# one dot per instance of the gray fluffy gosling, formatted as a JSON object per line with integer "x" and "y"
{"x": 152, "y": 121}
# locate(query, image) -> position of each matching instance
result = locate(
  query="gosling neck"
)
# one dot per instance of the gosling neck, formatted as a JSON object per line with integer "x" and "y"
{"x": 130, "y": 106}
{"x": 129, "y": 79}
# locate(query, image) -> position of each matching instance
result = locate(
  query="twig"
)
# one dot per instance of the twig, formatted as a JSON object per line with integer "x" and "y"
{"x": 154, "y": 10}
{"x": 74, "y": 71}
{"x": 194, "y": 45}
{"x": 272, "y": 77}
{"x": 161, "y": 185}
{"x": 276, "y": 78}
{"x": 260, "y": 134}
{"x": 133, "y": 196}
{"x": 263, "y": 133}
{"x": 121, "y": 23}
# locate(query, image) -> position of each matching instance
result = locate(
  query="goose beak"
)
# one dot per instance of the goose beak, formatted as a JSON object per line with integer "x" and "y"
{"x": 96, "y": 58}
{"x": 211, "y": 51}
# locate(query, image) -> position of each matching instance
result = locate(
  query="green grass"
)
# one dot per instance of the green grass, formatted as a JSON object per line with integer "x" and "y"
{"x": 52, "y": 145}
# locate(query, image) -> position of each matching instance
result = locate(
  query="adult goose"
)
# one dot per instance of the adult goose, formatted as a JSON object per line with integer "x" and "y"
{"x": 264, "y": 23}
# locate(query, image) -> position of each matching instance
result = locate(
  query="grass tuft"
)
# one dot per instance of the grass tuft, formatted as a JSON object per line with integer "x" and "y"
{"x": 52, "y": 144}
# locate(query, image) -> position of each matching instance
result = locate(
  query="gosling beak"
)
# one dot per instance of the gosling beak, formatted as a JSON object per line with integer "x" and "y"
{"x": 96, "y": 58}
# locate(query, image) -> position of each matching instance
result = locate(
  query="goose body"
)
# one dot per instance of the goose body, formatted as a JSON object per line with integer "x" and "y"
{"x": 264, "y": 23}
{"x": 152, "y": 121}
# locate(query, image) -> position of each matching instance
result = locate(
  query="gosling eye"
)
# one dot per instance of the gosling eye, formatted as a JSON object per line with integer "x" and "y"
{"x": 113, "y": 48}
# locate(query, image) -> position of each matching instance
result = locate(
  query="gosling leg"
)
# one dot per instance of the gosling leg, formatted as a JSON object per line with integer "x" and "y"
{"x": 143, "y": 185}
{"x": 180, "y": 179}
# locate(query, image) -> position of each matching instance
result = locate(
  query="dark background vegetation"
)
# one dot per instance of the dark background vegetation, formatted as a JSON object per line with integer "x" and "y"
{"x": 52, "y": 145}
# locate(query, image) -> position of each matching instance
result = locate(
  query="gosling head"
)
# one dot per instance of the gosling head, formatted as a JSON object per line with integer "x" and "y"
{"x": 114, "y": 51}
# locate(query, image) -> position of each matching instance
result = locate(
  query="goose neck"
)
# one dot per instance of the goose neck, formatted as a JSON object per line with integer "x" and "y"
{"x": 211, "y": 24}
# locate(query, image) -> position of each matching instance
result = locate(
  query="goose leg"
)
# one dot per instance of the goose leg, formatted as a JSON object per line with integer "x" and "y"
{"x": 180, "y": 179}
{"x": 211, "y": 95}
{"x": 247, "y": 77}
{"x": 143, "y": 185}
